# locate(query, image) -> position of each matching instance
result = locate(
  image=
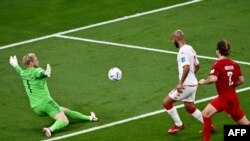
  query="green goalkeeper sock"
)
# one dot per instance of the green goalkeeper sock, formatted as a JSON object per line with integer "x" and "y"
{"x": 77, "y": 116}
{"x": 58, "y": 124}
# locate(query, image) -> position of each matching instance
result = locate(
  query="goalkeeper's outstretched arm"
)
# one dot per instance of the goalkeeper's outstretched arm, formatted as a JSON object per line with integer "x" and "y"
{"x": 43, "y": 74}
{"x": 47, "y": 72}
{"x": 32, "y": 58}
{"x": 14, "y": 63}
{"x": 18, "y": 69}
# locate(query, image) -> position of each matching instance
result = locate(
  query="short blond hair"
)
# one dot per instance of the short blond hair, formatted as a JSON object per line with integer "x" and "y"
{"x": 28, "y": 58}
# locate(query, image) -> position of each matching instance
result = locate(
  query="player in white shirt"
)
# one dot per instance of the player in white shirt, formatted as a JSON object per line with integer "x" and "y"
{"x": 185, "y": 90}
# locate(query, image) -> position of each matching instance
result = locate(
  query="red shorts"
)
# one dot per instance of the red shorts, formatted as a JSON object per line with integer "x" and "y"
{"x": 230, "y": 106}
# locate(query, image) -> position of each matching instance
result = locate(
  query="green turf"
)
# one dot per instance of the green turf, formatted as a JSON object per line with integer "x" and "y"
{"x": 23, "y": 19}
{"x": 78, "y": 84}
{"x": 204, "y": 24}
{"x": 79, "y": 80}
{"x": 154, "y": 128}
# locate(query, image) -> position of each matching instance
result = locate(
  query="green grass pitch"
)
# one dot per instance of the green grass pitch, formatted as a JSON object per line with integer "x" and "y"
{"x": 79, "y": 69}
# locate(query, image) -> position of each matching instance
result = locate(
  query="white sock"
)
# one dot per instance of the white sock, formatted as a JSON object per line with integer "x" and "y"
{"x": 198, "y": 115}
{"x": 175, "y": 116}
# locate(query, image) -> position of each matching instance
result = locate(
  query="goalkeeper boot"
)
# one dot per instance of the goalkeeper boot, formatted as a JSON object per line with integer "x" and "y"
{"x": 47, "y": 132}
{"x": 93, "y": 117}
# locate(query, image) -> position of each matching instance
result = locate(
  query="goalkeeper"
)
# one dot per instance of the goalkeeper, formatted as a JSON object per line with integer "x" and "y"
{"x": 38, "y": 93}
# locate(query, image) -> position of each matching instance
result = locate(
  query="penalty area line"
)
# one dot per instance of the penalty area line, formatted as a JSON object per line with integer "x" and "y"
{"x": 136, "y": 47}
{"x": 100, "y": 24}
{"x": 132, "y": 118}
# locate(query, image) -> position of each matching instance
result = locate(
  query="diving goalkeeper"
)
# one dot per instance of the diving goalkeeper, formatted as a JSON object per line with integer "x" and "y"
{"x": 38, "y": 93}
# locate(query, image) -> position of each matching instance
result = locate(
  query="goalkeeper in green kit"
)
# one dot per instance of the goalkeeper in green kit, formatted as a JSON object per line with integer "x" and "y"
{"x": 38, "y": 93}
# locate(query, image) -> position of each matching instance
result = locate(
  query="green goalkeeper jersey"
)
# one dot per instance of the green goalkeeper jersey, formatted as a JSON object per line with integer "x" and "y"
{"x": 35, "y": 85}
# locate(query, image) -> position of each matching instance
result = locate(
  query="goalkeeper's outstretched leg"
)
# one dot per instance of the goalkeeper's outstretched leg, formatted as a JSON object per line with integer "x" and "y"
{"x": 62, "y": 120}
{"x": 79, "y": 116}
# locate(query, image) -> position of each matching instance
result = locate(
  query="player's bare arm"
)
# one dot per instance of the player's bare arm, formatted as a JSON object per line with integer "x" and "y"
{"x": 211, "y": 79}
{"x": 180, "y": 86}
{"x": 196, "y": 68}
{"x": 240, "y": 81}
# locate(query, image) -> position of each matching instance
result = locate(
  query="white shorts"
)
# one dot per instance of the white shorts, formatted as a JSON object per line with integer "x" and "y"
{"x": 187, "y": 95}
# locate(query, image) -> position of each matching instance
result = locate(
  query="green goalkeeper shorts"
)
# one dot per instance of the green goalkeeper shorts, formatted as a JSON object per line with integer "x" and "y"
{"x": 50, "y": 108}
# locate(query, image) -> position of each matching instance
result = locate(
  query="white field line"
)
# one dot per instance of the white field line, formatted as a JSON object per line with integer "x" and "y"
{"x": 136, "y": 47}
{"x": 100, "y": 24}
{"x": 132, "y": 119}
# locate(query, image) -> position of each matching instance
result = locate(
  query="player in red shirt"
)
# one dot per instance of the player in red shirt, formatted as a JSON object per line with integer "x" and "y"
{"x": 226, "y": 74}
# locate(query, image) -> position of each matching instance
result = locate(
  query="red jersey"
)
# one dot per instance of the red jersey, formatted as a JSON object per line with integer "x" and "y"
{"x": 227, "y": 72}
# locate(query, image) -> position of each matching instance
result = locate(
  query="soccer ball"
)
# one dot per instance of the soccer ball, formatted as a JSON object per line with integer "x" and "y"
{"x": 115, "y": 74}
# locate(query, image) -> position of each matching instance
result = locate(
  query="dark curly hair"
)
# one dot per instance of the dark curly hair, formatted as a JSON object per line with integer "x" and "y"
{"x": 223, "y": 47}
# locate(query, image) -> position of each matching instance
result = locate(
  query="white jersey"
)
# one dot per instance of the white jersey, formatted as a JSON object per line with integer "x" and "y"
{"x": 187, "y": 56}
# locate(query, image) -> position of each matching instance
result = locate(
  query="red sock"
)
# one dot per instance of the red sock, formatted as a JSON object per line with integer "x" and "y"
{"x": 191, "y": 111}
{"x": 207, "y": 128}
{"x": 168, "y": 107}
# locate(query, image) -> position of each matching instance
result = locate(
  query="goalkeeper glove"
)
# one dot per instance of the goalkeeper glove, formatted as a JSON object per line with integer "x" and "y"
{"x": 48, "y": 71}
{"x": 13, "y": 61}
